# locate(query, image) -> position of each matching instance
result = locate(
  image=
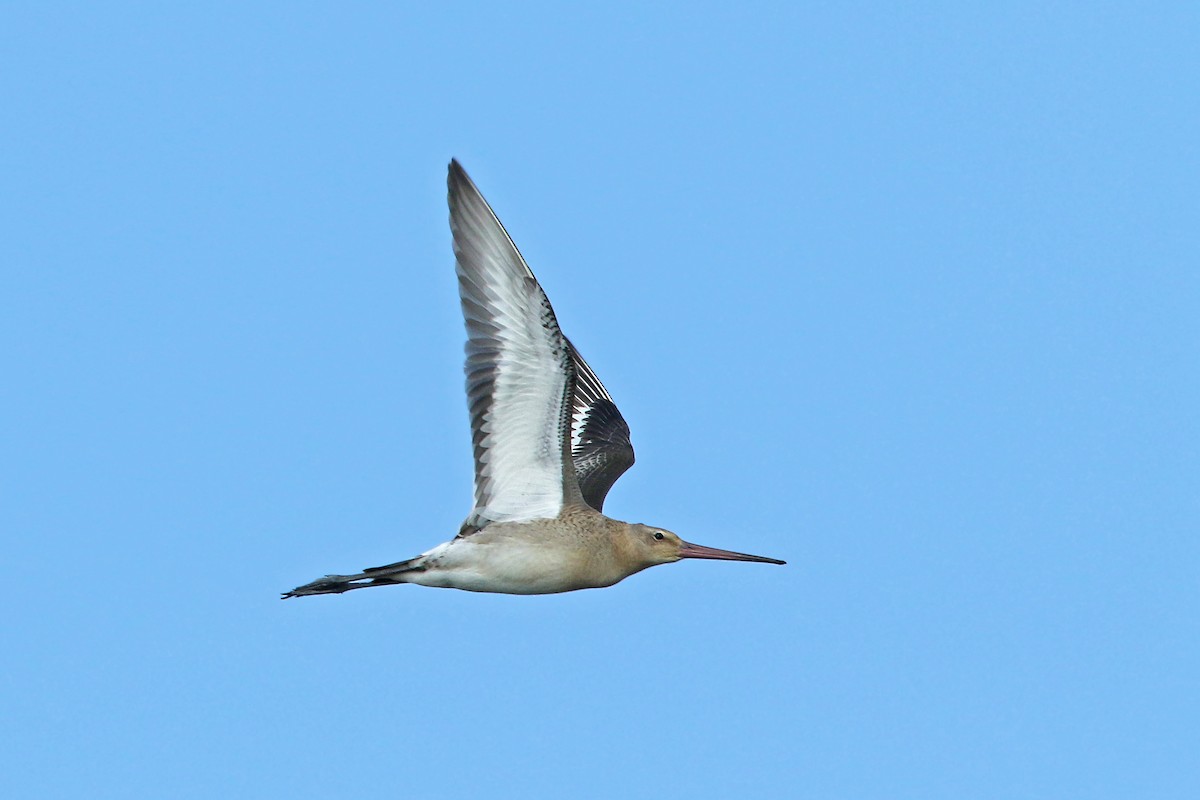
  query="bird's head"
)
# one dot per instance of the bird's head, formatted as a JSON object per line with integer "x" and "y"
{"x": 651, "y": 546}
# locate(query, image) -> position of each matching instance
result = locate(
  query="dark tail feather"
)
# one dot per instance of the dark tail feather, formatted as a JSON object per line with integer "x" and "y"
{"x": 374, "y": 576}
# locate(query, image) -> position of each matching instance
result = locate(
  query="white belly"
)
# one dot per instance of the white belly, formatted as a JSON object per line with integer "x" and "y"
{"x": 483, "y": 563}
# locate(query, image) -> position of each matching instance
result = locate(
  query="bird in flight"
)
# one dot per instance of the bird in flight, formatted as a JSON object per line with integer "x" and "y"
{"x": 549, "y": 443}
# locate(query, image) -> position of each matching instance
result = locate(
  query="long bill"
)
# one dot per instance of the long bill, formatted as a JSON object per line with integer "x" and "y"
{"x": 689, "y": 550}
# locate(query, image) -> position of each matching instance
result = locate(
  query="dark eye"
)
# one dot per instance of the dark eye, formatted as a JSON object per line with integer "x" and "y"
{"x": 659, "y": 536}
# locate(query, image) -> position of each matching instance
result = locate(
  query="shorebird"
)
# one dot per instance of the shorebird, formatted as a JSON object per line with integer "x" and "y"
{"x": 549, "y": 443}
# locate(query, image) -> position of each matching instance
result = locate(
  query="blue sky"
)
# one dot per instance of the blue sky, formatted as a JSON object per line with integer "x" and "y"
{"x": 907, "y": 297}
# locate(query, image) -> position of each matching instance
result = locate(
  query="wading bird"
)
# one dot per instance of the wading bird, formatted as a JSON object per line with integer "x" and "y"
{"x": 549, "y": 443}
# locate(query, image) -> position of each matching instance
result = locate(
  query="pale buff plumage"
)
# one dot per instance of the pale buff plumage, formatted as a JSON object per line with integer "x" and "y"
{"x": 549, "y": 443}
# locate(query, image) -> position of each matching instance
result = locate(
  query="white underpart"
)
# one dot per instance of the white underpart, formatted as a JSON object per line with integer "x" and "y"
{"x": 517, "y": 370}
{"x": 509, "y": 564}
{"x": 521, "y": 467}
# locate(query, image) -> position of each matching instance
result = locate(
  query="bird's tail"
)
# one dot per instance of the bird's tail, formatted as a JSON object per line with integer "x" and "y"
{"x": 373, "y": 576}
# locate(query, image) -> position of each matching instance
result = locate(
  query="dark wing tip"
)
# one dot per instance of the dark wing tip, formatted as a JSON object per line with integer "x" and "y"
{"x": 457, "y": 176}
{"x": 463, "y": 194}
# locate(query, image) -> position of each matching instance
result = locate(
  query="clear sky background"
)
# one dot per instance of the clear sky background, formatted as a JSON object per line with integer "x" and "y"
{"x": 908, "y": 297}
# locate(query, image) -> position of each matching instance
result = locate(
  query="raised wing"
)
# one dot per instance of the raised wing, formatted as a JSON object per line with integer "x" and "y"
{"x": 600, "y": 446}
{"x": 519, "y": 370}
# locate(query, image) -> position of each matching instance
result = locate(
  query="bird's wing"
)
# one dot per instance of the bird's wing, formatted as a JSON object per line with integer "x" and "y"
{"x": 600, "y": 446}
{"x": 519, "y": 371}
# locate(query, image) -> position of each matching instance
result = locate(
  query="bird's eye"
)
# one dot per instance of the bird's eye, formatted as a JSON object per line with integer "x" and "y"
{"x": 658, "y": 535}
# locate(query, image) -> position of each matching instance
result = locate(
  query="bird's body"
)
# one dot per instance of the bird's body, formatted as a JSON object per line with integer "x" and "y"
{"x": 549, "y": 443}
{"x": 575, "y": 550}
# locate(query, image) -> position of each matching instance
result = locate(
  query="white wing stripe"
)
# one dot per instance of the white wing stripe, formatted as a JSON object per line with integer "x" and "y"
{"x": 518, "y": 368}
